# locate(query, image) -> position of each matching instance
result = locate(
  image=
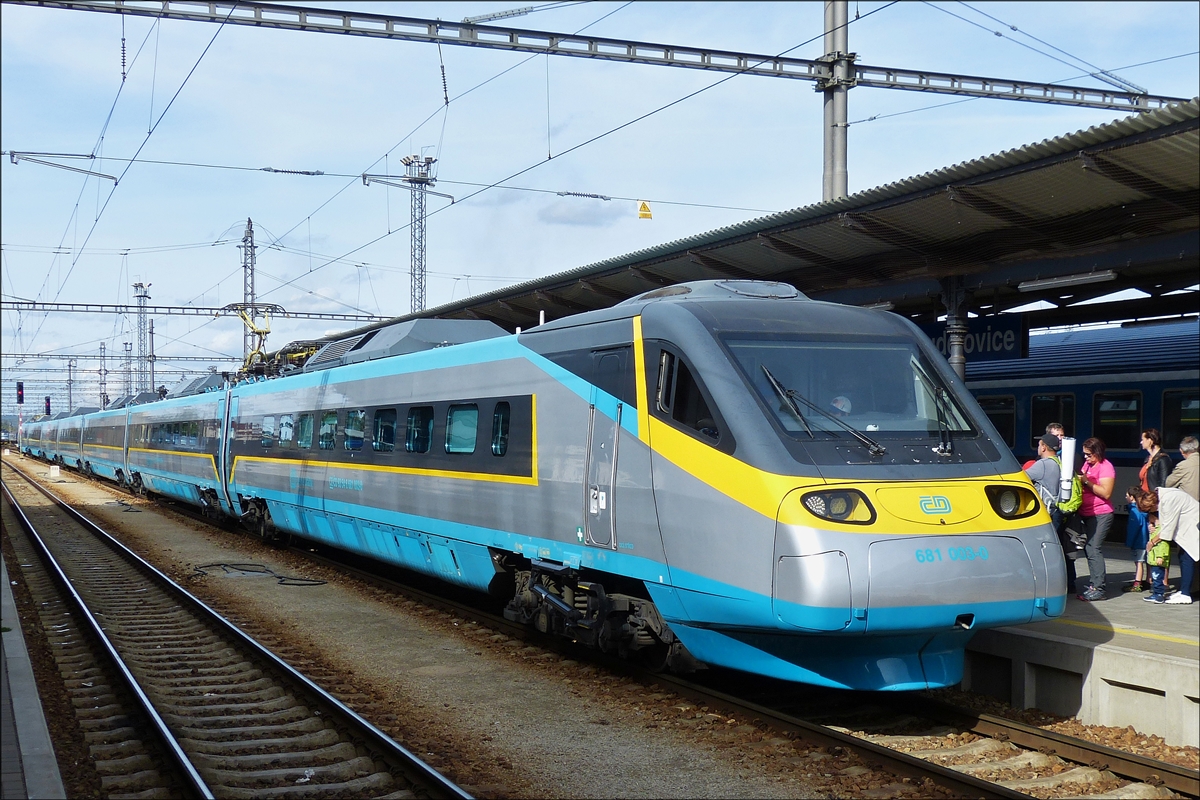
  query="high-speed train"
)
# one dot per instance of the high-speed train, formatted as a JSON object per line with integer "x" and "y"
{"x": 722, "y": 472}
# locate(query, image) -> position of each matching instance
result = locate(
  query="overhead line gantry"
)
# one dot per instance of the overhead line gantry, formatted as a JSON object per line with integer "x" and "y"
{"x": 186, "y": 311}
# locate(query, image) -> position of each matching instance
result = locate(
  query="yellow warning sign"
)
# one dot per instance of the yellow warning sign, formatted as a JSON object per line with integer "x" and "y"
{"x": 644, "y": 210}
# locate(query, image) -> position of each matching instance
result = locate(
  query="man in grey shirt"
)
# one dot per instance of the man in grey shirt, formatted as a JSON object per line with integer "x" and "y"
{"x": 1046, "y": 473}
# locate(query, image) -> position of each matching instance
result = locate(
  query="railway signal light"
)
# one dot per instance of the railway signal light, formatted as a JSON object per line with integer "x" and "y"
{"x": 20, "y": 393}
{"x": 47, "y": 405}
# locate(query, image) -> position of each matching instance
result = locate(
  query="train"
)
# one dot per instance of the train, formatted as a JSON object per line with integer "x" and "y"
{"x": 722, "y": 473}
{"x": 1111, "y": 382}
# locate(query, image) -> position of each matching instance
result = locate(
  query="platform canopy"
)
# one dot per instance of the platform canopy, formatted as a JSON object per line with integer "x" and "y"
{"x": 1063, "y": 220}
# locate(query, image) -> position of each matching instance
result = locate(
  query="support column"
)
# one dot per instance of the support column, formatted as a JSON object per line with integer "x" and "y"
{"x": 954, "y": 298}
{"x": 834, "y": 177}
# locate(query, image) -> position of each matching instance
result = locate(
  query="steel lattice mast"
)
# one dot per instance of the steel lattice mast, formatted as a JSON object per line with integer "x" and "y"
{"x": 142, "y": 293}
{"x": 419, "y": 176}
{"x": 248, "y": 294}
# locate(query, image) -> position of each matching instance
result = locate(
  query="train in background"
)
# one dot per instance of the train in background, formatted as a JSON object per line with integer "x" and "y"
{"x": 725, "y": 472}
{"x": 1111, "y": 383}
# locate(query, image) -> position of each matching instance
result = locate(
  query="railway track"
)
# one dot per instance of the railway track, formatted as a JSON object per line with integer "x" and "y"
{"x": 174, "y": 700}
{"x": 909, "y": 735}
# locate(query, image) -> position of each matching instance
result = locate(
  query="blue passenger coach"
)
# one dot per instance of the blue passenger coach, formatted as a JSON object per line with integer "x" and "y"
{"x": 1111, "y": 383}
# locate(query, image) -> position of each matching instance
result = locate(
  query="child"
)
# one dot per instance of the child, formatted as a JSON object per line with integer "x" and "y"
{"x": 1158, "y": 552}
{"x": 1136, "y": 536}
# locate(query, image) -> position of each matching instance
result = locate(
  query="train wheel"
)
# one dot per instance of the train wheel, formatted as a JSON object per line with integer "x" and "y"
{"x": 653, "y": 658}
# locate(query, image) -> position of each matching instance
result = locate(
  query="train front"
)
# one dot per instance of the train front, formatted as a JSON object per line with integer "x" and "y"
{"x": 900, "y": 523}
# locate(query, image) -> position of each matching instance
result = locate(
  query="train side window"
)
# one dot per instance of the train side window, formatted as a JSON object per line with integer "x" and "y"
{"x": 1047, "y": 408}
{"x": 356, "y": 425}
{"x": 328, "y": 430}
{"x": 268, "y": 431}
{"x": 1002, "y": 411}
{"x": 462, "y": 424}
{"x": 1180, "y": 416}
{"x": 419, "y": 432}
{"x": 679, "y": 397}
{"x": 500, "y": 419}
{"x": 384, "y": 440}
{"x": 304, "y": 431}
{"x": 287, "y": 430}
{"x": 1117, "y": 419}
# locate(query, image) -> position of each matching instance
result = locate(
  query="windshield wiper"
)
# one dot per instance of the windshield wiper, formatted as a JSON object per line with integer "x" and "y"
{"x": 945, "y": 442}
{"x": 786, "y": 394}
{"x": 792, "y": 396}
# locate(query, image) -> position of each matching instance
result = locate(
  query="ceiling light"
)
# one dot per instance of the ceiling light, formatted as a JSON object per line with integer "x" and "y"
{"x": 1067, "y": 280}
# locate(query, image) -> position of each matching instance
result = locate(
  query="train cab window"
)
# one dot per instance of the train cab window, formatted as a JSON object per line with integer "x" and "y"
{"x": 304, "y": 431}
{"x": 462, "y": 424}
{"x": 356, "y": 425}
{"x": 1180, "y": 416}
{"x": 287, "y": 430}
{"x": 1117, "y": 419}
{"x": 268, "y": 431}
{"x": 328, "y": 431}
{"x": 419, "y": 432}
{"x": 679, "y": 397}
{"x": 1047, "y": 408}
{"x": 500, "y": 420}
{"x": 1002, "y": 411}
{"x": 384, "y": 440}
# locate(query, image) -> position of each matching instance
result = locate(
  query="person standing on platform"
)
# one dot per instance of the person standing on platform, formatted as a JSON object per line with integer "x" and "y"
{"x": 1179, "y": 522}
{"x": 1157, "y": 469}
{"x": 1046, "y": 474}
{"x": 1098, "y": 477}
{"x": 1153, "y": 474}
{"x": 1186, "y": 476}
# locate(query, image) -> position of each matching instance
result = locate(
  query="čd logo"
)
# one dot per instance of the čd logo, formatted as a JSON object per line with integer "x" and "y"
{"x": 935, "y": 504}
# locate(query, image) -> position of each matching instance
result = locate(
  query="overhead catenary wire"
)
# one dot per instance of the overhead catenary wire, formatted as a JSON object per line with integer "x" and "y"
{"x": 596, "y": 138}
{"x": 128, "y": 166}
{"x": 420, "y": 125}
{"x": 1099, "y": 74}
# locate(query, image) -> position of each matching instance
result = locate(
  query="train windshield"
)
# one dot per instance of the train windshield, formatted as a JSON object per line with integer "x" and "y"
{"x": 882, "y": 387}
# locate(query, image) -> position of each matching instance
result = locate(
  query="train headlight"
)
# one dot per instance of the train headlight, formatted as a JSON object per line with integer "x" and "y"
{"x": 840, "y": 505}
{"x": 1012, "y": 502}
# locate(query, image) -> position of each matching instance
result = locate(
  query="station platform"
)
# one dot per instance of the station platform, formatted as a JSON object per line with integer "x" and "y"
{"x": 1119, "y": 662}
{"x": 30, "y": 768}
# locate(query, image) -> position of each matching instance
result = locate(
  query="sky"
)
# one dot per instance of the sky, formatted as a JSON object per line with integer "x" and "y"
{"x": 223, "y": 102}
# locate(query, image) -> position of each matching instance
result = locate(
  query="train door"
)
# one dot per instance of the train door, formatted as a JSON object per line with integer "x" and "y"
{"x": 227, "y": 409}
{"x": 604, "y": 429}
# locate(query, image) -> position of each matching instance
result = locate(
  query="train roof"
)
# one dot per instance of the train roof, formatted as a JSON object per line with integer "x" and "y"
{"x": 1163, "y": 347}
{"x": 403, "y": 337}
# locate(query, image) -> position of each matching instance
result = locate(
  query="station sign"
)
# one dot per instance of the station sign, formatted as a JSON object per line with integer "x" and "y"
{"x": 996, "y": 338}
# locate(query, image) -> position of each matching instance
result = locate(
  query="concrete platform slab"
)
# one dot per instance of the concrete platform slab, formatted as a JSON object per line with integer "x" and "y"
{"x": 1118, "y": 662}
{"x": 30, "y": 766}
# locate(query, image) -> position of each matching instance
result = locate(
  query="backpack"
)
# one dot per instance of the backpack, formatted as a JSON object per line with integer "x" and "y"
{"x": 1072, "y": 505}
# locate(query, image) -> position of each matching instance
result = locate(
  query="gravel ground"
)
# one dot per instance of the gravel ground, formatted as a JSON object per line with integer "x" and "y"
{"x": 1125, "y": 739}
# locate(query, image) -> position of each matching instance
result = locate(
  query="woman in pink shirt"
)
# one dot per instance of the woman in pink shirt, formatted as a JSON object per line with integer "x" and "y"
{"x": 1098, "y": 476}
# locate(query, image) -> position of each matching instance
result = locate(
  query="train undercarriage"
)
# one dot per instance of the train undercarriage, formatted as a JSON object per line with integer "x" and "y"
{"x": 554, "y": 598}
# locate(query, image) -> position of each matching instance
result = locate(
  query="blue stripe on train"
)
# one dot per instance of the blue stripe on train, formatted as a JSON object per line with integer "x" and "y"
{"x": 463, "y": 355}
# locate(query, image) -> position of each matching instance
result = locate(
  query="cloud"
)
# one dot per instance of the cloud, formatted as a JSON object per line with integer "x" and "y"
{"x": 584, "y": 212}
